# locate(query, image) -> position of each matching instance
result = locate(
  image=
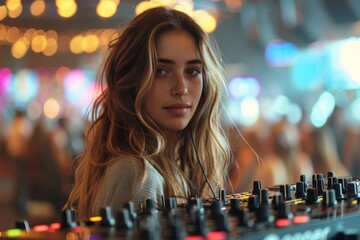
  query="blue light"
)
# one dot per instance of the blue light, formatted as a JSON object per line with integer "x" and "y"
{"x": 281, "y": 53}
{"x": 24, "y": 87}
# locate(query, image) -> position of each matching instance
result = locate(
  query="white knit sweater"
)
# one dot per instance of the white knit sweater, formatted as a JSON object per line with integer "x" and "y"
{"x": 119, "y": 180}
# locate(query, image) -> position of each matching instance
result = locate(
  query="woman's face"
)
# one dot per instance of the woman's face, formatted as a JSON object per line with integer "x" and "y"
{"x": 178, "y": 83}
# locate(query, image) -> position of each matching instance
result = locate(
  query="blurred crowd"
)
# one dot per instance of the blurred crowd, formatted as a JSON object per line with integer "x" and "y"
{"x": 278, "y": 153}
{"x": 36, "y": 172}
{"x": 36, "y": 158}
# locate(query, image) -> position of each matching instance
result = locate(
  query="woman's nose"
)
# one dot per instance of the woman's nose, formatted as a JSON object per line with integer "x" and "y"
{"x": 180, "y": 88}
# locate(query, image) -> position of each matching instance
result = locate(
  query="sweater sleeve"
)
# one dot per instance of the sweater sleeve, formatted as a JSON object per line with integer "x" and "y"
{"x": 123, "y": 177}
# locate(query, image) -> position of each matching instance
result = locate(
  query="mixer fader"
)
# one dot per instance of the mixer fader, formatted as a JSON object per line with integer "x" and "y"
{"x": 323, "y": 207}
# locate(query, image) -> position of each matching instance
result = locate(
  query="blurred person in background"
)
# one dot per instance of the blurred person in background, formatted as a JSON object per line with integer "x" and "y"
{"x": 320, "y": 145}
{"x": 44, "y": 175}
{"x": 283, "y": 160}
{"x": 17, "y": 139}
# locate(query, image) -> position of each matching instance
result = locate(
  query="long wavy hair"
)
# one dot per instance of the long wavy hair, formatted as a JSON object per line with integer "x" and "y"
{"x": 121, "y": 126}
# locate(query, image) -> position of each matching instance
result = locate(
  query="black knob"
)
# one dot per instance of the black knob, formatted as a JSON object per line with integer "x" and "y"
{"x": 285, "y": 190}
{"x": 124, "y": 220}
{"x": 303, "y": 179}
{"x": 352, "y": 191}
{"x": 263, "y": 214}
{"x": 222, "y": 223}
{"x": 68, "y": 219}
{"x": 329, "y": 198}
{"x": 170, "y": 203}
{"x": 277, "y": 200}
{"x": 253, "y": 202}
{"x": 132, "y": 212}
{"x": 300, "y": 191}
{"x": 222, "y": 195}
{"x": 312, "y": 196}
{"x": 331, "y": 182}
{"x": 234, "y": 206}
{"x": 107, "y": 218}
{"x": 216, "y": 208}
{"x": 244, "y": 218}
{"x": 338, "y": 191}
{"x": 319, "y": 185}
{"x": 23, "y": 225}
{"x": 264, "y": 197}
{"x": 256, "y": 187}
{"x": 284, "y": 211}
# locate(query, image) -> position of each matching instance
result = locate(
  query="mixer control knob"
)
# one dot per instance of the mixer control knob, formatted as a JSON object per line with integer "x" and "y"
{"x": 222, "y": 223}
{"x": 23, "y": 225}
{"x": 277, "y": 200}
{"x": 303, "y": 179}
{"x": 253, "y": 203}
{"x": 124, "y": 219}
{"x": 338, "y": 191}
{"x": 331, "y": 174}
{"x": 319, "y": 185}
{"x": 234, "y": 206}
{"x": 264, "y": 197}
{"x": 68, "y": 219}
{"x": 300, "y": 191}
{"x": 344, "y": 183}
{"x": 256, "y": 187}
{"x": 222, "y": 195}
{"x": 107, "y": 218}
{"x": 263, "y": 214}
{"x": 329, "y": 198}
{"x": 150, "y": 204}
{"x": 352, "y": 191}
{"x": 285, "y": 190}
{"x": 132, "y": 212}
{"x": 216, "y": 208}
{"x": 148, "y": 230}
{"x": 284, "y": 211}
{"x": 170, "y": 203}
{"x": 312, "y": 196}
{"x": 243, "y": 218}
{"x": 331, "y": 182}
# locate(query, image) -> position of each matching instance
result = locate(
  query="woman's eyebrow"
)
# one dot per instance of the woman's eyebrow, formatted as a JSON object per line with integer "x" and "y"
{"x": 168, "y": 61}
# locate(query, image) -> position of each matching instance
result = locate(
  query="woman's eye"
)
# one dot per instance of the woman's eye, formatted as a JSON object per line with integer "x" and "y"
{"x": 193, "y": 71}
{"x": 161, "y": 72}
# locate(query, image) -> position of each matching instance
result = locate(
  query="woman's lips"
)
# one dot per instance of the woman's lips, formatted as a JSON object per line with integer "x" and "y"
{"x": 177, "y": 109}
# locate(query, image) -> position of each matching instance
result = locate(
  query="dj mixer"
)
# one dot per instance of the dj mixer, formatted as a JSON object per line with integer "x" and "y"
{"x": 321, "y": 208}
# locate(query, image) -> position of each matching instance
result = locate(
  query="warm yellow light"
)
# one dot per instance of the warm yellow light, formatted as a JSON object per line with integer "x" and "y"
{"x": 14, "y": 13}
{"x": 92, "y": 43}
{"x": 143, "y": 6}
{"x": 75, "y": 44}
{"x": 164, "y": 2}
{"x": 37, "y": 7}
{"x": 51, "y": 34}
{"x": 12, "y": 34}
{"x": 66, "y": 8}
{"x": 38, "y": 43}
{"x": 205, "y": 20}
{"x": 3, "y": 30}
{"x": 51, "y": 47}
{"x": 3, "y": 12}
{"x": 51, "y": 108}
{"x": 185, "y": 6}
{"x": 12, "y": 5}
{"x": 20, "y": 48}
{"x": 106, "y": 8}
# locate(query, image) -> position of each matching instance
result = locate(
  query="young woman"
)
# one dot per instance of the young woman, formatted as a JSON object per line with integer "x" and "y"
{"x": 156, "y": 128}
